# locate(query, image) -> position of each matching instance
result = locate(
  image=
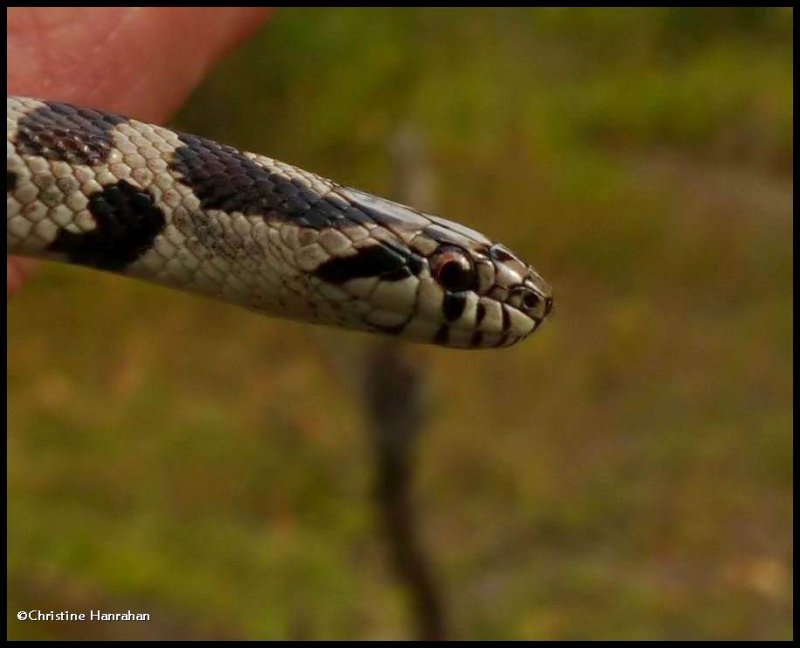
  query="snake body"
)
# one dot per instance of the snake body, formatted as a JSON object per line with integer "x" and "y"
{"x": 111, "y": 193}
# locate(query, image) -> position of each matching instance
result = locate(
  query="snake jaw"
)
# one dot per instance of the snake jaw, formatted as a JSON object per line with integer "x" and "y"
{"x": 505, "y": 301}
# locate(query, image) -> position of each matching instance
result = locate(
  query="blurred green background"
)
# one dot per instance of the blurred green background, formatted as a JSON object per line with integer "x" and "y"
{"x": 624, "y": 474}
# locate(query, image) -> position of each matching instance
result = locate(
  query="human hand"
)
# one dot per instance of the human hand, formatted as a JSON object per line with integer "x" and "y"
{"x": 141, "y": 61}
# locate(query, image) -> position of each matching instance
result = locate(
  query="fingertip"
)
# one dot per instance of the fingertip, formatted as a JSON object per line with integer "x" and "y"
{"x": 17, "y": 271}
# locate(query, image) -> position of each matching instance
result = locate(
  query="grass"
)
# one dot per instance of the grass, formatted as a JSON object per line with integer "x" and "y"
{"x": 625, "y": 474}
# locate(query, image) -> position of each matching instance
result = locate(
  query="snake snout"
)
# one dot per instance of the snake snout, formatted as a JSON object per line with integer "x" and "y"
{"x": 533, "y": 297}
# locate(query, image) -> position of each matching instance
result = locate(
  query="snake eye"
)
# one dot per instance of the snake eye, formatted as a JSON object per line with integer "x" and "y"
{"x": 453, "y": 269}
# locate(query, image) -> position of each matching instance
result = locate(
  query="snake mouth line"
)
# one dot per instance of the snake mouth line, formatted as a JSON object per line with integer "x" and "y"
{"x": 462, "y": 334}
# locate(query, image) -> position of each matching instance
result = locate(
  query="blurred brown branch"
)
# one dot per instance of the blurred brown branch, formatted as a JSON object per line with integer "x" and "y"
{"x": 395, "y": 400}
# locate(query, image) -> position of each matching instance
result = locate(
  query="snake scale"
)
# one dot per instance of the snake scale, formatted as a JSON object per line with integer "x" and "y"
{"x": 111, "y": 193}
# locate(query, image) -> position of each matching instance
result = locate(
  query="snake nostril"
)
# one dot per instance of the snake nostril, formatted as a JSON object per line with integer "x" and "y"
{"x": 548, "y": 306}
{"x": 530, "y": 300}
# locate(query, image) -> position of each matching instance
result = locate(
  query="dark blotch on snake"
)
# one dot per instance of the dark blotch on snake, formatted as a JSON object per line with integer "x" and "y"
{"x": 224, "y": 178}
{"x": 11, "y": 183}
{"x": 480, "y": 313}
{"x": 477, "y": 339}
{"x": 57, "y": 131}
{"x": 127, "y": 223}
{"x": 453, "y": 305}
{"x": 415, "y": 264}
{"x": 388, "y": 263}
{"x": 506, "y": 318}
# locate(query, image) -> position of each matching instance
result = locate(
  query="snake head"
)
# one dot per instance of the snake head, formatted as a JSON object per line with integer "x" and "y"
{"x": 430, "y": 280}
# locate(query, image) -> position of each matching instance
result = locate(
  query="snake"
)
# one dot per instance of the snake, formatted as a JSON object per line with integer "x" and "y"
{"x": 110, "y": 193}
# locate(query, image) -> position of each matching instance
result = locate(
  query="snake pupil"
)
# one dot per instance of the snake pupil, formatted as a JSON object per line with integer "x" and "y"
{"x": 453, "y": 269}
